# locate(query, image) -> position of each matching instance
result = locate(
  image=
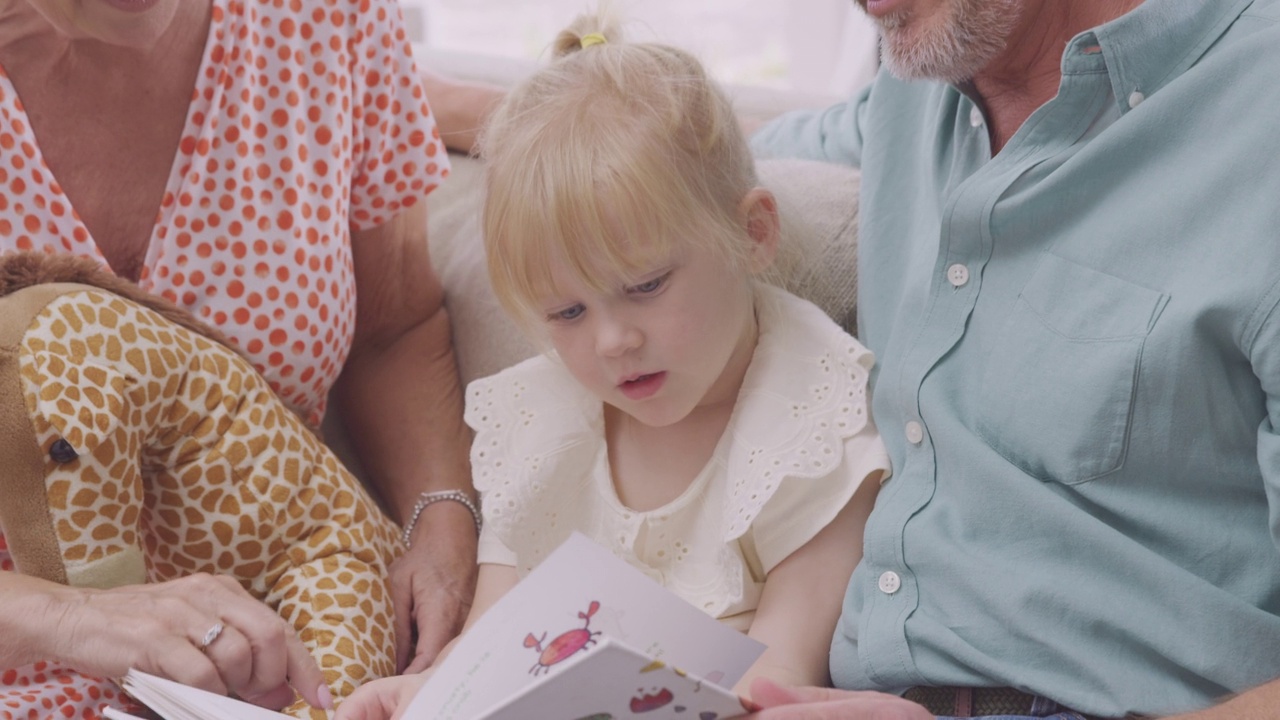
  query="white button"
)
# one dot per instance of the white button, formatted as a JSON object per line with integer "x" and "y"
{"x": 915, "y": 433}
{"x": 890, "y": 582}
{"x": 1135, "y": 99}
{"x": 975, "y": 117}
{"x": 958, "y": 274}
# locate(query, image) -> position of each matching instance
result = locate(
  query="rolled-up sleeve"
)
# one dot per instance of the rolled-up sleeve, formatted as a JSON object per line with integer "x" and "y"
{"x": 831, "y": 135}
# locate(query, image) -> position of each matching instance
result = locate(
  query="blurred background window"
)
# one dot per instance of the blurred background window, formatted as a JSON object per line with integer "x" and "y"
{"x": 820, "y": 47}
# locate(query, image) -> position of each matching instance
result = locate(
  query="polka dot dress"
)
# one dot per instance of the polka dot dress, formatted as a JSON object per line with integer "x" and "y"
{"x": 307, "y": 121}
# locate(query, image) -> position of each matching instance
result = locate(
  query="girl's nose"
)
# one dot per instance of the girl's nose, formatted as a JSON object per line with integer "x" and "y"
{"x": 616, "y": 337}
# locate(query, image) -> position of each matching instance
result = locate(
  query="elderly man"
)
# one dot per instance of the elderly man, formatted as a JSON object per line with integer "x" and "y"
{"x": 1069, "y": 267}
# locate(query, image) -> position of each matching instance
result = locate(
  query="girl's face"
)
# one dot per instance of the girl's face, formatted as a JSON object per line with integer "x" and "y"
{"x": 674, "y": 338}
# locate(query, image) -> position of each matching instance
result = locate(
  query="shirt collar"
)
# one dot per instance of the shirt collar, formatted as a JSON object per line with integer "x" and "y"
{"x": 1156, "y": 42}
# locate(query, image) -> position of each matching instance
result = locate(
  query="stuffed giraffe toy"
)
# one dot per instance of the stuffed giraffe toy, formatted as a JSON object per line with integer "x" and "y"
{"x": 136, "y": 446}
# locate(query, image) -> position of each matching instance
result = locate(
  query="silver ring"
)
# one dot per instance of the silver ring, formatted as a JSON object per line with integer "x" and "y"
{"x": 210, "y": 636}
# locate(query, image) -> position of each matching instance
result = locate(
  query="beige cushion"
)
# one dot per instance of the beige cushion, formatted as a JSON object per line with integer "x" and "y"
{"x": 817, "y": 202}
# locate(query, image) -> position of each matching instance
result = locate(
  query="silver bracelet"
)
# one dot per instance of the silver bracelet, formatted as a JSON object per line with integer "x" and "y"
{"x": 427, "y": 498}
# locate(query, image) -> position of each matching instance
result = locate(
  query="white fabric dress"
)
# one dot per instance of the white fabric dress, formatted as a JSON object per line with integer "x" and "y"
{"x": 800, "y": 440}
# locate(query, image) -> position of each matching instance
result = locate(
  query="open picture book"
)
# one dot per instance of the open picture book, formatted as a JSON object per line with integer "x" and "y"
{"x": 584, "y": 636}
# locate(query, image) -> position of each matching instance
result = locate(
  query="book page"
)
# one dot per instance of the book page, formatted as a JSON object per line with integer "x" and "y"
{"x": 175, "y": 701}
{"x": 579, "y": 595}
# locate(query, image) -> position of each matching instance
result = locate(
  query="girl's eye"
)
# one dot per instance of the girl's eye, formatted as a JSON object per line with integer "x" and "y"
{"x": 649, "y": 287}
{"x": 570, "y": 313}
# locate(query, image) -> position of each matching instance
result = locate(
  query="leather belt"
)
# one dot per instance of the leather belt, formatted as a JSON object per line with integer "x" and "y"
{"x": 978, "y": 702}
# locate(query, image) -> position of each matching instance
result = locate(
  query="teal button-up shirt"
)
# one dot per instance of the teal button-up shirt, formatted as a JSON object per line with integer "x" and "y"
{"x": 1079, "y": 370}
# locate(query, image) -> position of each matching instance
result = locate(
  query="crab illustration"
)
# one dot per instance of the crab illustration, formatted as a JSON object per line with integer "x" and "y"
{"x": 645, "y": 702}
{"x": 564, "y": 644}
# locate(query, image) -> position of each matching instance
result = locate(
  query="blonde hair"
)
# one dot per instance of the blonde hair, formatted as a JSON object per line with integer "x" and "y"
{"x": 605, "y": 160}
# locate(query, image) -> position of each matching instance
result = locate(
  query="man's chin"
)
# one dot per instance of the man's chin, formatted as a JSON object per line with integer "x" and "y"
{"x": 909, "y": 72}
{"x": 937, "y": 58}
{"x": 951, "y": 46}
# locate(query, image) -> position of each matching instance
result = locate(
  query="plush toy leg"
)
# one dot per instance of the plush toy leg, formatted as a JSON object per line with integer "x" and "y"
{"x": 341, "y": 608}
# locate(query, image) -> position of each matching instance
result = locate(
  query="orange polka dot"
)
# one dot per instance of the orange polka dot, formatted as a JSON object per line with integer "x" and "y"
{"x": 283, "y": 153}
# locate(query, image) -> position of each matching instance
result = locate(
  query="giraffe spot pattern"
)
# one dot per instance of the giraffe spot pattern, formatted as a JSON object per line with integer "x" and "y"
{"x": 238, "y": 486}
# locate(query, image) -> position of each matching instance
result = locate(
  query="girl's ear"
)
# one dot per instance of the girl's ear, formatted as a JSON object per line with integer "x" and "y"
{"x": 760, "y": 209}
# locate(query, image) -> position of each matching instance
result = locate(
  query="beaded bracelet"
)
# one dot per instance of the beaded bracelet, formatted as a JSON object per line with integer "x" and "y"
{"x": 427, "y": 498}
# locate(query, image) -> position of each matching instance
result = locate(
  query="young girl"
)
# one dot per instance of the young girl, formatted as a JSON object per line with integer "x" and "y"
{"x": 712, "y": 430}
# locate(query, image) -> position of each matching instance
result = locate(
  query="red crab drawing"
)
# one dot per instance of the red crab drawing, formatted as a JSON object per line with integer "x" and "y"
{"x": 651, "y": 701}
{"x": 564, "y": 644}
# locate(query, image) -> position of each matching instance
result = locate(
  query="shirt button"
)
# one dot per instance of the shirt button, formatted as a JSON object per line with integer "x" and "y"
{"x": 889, "y": 582}
{"x": 958, "y": 274}
{"x": 975, "y": 117}
{"x": 915, "y": 433}
{"x": 1135, "y": 99}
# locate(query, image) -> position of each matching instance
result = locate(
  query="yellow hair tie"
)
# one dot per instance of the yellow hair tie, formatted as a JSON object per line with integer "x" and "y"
{"x": 592, "y": 39}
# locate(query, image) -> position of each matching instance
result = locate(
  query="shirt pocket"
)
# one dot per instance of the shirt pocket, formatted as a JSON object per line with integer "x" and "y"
{"x": 1058, "y": 389}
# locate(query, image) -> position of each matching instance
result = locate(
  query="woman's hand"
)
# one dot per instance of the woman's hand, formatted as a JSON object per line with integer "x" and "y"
{"x": 384, "y": 699}
{"x": 432, "y": 584}
{"x": 813, "y": 703}
{"x": 159, "y": 628}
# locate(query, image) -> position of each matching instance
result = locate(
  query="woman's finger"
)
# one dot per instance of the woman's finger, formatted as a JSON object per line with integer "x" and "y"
{"x": 231, "y": 655}
{"x": 184, "y": 662}
{"x": 305, "y": 675}
{"x": 264, "y": 632}
{"x": 276, "y": 660}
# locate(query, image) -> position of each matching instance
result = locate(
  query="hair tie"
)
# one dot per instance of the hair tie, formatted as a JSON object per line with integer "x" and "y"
{"x": 592, "y": 39}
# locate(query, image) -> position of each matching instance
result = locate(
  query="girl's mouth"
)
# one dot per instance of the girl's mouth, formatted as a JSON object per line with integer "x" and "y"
{"x": 642, "y": 386}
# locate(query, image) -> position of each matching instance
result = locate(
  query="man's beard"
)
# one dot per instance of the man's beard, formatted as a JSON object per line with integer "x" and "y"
{"x": 952, "y": 46}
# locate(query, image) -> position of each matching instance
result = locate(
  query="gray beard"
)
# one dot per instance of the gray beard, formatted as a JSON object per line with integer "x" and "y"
{"x": 952, "y": 48}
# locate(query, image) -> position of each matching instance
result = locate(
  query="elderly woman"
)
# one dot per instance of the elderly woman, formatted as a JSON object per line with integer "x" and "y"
{"x": 263, "y": 164}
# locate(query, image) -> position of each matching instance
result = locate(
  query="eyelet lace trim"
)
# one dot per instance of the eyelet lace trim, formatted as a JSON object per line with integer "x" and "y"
{"x": 803, "y": 397}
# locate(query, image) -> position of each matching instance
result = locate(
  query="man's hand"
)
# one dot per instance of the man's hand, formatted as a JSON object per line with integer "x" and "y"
{"x": 813, "y": 703}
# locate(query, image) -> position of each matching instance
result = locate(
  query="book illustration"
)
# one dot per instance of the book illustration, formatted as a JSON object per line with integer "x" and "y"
{"x": 659, "y": 697}
{"x": 663, "y": 692}
{"x": 663, "y": 696}
{"x": 565, "y": 644}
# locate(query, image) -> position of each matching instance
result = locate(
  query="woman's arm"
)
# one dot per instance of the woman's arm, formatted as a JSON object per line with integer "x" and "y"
{"x": 803, "y": 596}
{"x": 159, "y": 628}
{"x": 401, "y": 403}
